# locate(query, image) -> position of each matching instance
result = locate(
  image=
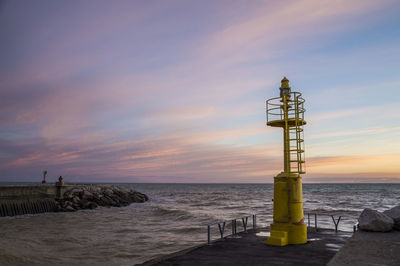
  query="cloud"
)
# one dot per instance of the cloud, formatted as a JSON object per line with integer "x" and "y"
{"x": 341, "y": 165}
{"x": 361, "y": 177}
{"x": 173, "y": 158}
{"x": 183, "y": 113}
{"x": 155, "y": 158}
{"x": 267, "y": 26}
{"x": 374, "y": 130}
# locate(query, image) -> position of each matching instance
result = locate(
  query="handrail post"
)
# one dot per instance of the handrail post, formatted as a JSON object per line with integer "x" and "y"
{"x": 208, "y": 235}
{"x": 315, "y": 222}
{"x": 235, "y": 227}
{"x": 244, "y": 221}
{"x": 254, "y": 222}
{"x": 308, "y": 214}
{"x": 221, "y": 229}
{"x": 336, "y": 222}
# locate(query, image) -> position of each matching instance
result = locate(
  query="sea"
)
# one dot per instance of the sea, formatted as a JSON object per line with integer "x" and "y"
{"x": 175, "y": 218}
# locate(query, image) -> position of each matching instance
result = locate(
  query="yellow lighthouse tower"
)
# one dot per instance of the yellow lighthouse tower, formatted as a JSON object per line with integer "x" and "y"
{"x": 287, "y": 112}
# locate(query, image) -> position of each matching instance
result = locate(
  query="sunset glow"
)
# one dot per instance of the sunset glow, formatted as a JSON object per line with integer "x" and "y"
{"x": 174, "y": 91}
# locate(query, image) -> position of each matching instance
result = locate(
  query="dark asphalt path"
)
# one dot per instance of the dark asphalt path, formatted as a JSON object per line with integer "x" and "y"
{"x": 250, "y": 249}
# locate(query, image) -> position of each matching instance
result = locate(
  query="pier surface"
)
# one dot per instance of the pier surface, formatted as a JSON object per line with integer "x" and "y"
{"x": 369, "y": 248}
{"x": 251, "y": 249}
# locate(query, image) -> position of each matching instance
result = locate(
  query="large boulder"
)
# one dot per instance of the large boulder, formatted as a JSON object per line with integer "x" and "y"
{"x": 372, "y": 220}
{"x": 108, "y": 192}
{"x": 75, "y": 191}
{"x": 69, "y": 209}
{"x": 394, "y": 213}
{"x": 92, "y": 205}
{"x": 86, "y": 195}
{"x": 75, "y": 199}
{"x": 84, "y": 204}
{"x": 94, "y": 189}
{"x": 139, "y": 197}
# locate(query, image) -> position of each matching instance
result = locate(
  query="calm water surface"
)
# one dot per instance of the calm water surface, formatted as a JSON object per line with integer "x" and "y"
{"x": 174, "y": 218}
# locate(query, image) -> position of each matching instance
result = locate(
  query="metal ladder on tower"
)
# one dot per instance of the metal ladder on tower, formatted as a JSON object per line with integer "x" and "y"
{"x": 296, "y": 137}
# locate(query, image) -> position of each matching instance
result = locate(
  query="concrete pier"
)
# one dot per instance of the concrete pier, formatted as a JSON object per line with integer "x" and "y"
{"x": 369, "y": 248}
{"x": 19, "y": 200}
{"x": 20, "y": 207}
{"x": 251, "y": 249}
{"x": 18, "y": 192}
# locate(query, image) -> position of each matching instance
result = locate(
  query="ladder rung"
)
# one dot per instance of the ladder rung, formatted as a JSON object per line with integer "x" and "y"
{"x": 300, "y": 140}
{"x": 295, "y": 161}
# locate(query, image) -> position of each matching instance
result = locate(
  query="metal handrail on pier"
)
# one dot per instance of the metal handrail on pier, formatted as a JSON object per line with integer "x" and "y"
{"x": 221, "y": 226}
{"x": 234, "y": 225}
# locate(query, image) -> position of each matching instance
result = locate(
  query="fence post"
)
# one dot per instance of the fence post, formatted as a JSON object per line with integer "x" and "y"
{"x": 208, "y": 235}
{"x": 336, "y": 222}
{"x": 221, "y": 230}
{"x": 254, "y": 222}
{"x": 315, "y": 222}
{"x": 245, "y": 223}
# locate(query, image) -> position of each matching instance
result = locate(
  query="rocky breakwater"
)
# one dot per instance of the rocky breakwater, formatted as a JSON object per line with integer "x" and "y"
{"x": 375, "y": 221}
{"x": 92, "y": 196}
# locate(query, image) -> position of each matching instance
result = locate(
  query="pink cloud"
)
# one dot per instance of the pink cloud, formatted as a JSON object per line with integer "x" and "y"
{"x": 269, "y": 26}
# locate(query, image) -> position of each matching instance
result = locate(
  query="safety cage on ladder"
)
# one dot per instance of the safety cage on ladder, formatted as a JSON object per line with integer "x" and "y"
{"x": 294, "y": 123}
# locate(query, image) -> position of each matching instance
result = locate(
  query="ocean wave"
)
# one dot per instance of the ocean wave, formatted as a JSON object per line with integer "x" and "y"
{"x": 127, "y": 255}
{"x": 189, "y": 229}
{"x": 203, "y": 204}
{"x": 126, "y": 230}
{"x": 172, "y": 213}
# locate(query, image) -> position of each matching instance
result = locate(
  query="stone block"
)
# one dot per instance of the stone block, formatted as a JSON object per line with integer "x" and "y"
{"x": 394, "y": 213}
{"x": 372, "y": 220}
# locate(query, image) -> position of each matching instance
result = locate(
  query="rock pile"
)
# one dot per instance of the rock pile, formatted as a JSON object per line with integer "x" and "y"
{"x": 372, "y": 220}
{"x": 375, "y": 221}
{"x": 394, "y": 213}
{"x": 92, "y": 196}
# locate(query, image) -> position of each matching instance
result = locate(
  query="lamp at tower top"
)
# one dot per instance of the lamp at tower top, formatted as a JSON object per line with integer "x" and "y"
{"x": 285, "y": 88}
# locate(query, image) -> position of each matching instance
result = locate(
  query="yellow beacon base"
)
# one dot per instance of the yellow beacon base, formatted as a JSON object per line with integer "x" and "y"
{"x": 284, "y": 234}
{"x": 288, "y": 226}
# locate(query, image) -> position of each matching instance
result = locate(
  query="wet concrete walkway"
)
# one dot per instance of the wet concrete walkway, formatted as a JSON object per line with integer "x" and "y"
{"x": 369, "y": 248}
{"x": 250, "y": 249}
